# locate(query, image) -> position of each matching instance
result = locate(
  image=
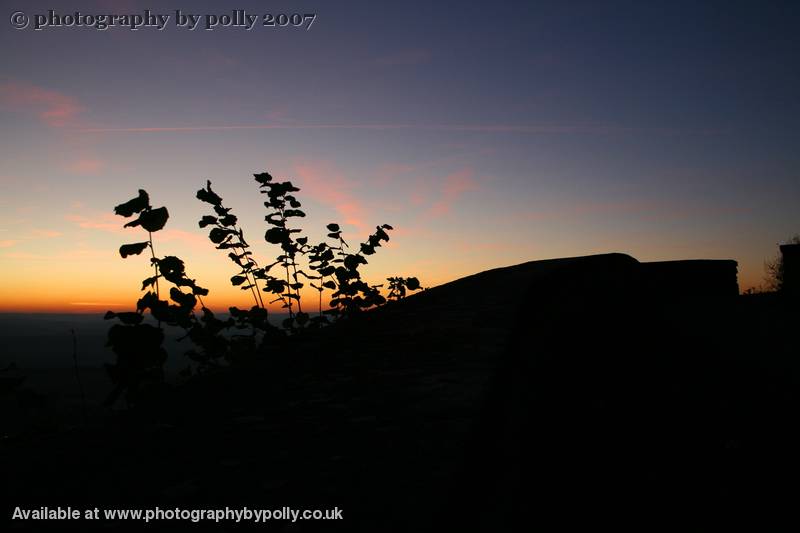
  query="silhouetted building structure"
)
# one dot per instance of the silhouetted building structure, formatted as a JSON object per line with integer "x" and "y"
{"x": 704, "y": 279}
{"x": 791, "y": 269}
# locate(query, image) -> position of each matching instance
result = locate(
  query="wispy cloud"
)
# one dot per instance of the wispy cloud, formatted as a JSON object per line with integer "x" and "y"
{"x": 32, "y": 235}
{"x": 110, "y": 223}
{"x": 86, "y": 166}
{"x": 104, "y": 222}
{"x": 44, "y": 234}
{"x": 196, "y": 240}
{"x": 95, "y": 304}
{"x": 544, "y": 128}
{"x": 54, "y": 108}
{"x": 455, "y": 185}
{"x": 331, "y": 187}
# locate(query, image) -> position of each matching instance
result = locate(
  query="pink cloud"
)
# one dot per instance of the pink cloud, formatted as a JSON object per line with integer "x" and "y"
{"x": 544, "y": 128}
{"x": 104, "y": 222}
{"x": 113, "y": 224}
{"x": 8, "y": 243}
{"x": 334, "y": 189}
{"x": 455, "y": 185}
{"x": 52, "y": 107}
{"x": 45, "y": 234}
{"x": 197, "y": 240}
{"x": 86, "y": 166}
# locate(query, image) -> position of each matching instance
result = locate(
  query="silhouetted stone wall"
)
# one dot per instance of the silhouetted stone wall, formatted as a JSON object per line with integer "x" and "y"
{"x": 791, "y": 268}
{"x": 705, "y": 280}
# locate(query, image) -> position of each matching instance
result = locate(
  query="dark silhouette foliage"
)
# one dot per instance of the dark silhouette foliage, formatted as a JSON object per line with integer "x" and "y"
{"x": 139, "y": 345}
{"x": 327, "y": 267}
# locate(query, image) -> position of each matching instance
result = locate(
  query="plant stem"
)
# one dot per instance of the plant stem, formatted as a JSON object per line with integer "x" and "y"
{"x": 257, "y": 290}
{"x": 296, "y": 291}
{"x": 288, "y": 300}
{"x": 155, "y": 265}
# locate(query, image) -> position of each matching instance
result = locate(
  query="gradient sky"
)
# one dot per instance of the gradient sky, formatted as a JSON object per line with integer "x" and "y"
{"x": 487, "y": 134}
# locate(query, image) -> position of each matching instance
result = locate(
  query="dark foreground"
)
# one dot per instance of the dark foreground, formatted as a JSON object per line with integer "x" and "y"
{"x": 549, "y": 396}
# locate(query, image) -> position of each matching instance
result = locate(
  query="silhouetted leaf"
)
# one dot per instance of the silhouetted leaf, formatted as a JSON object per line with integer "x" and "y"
{"x": 332, "y": 227}
{"x": 263, "y": 178}
{"x": 132, "y": 249}
{"x": 228, "y": 220}
{"x": 238, "y": 280}
{"x": 207, "y": 220}
{"x": 171, "y": 268}
{"x": 275, "y": 286}
{"x": 217, "y": 235}
{"x": 136, "y": 205}
{"x": 152, "y": 220}
{"x": 183, "y": 299}
{"x": 329, "y": 285}
{"x": 276, "y": 235}
{"x": 208, "y": 196}
{"x": 412, "y": 283}
{"x": 129, "y": 318}
{"x": 352, "y": 261}
{"x": 382, "y": 235}
{"x": 221, "y": 211}
{"x": 200, "y": 291}
{"x": 293, "y": 213}
{"x": 275, "y": 219}
{"x": 147, "y": 301}
{"x": 149, "y": 282}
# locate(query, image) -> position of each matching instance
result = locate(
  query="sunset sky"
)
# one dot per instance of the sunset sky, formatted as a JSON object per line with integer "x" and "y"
{"x": 486, "y": 133}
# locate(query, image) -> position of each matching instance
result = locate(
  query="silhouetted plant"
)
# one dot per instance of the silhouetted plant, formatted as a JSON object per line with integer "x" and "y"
{"x": 139, "y": 346}
{"x": 320, "y": 260}
{"x": 226, "y": 235}
{"x": 335, "y": 267}
{"x": 353, "y": 294}
{"x": 284, "y": 206}
{"x": 398, "y": 286}
{"x": 332, "y": 267}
